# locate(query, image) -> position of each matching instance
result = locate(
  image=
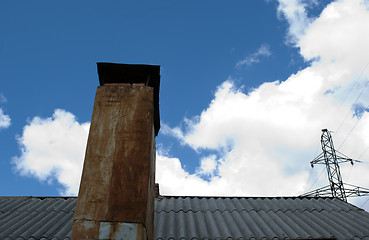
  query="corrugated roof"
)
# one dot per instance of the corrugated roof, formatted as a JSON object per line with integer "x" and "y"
{"x": 258, "y": 218}
{"x": 199, "y": 218}
{"x": 34, "y": 218}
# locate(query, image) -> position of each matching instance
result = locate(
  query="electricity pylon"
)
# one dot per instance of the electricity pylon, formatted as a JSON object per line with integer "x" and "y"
{"x": 331, "y": 158}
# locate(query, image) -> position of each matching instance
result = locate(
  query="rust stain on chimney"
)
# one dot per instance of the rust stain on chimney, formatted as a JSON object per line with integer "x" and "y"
{"x": 116, "y": 196}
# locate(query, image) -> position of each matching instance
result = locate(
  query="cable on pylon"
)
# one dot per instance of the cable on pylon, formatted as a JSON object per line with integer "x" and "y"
{"x": 331, "y": 158}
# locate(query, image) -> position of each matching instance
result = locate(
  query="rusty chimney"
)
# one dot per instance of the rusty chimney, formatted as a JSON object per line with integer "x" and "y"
{"x": 116, "y": 195}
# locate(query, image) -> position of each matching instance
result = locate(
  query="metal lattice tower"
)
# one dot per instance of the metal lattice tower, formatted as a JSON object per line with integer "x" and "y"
{"x": 333, "y": 169}
{"x": 331, "y": 159}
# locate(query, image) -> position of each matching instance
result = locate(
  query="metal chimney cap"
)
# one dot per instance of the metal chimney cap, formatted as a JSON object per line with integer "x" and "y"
{"x": 128, "y": 73}
{"x": 149, "y": 75}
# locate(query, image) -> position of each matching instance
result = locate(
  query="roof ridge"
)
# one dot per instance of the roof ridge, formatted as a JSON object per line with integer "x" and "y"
{"x": 160, "y": 197}
{"x": 253, "y": 210}
{"x": 37, "y": 197}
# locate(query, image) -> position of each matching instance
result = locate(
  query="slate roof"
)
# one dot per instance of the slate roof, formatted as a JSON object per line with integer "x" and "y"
{"x": 50, "y": 218}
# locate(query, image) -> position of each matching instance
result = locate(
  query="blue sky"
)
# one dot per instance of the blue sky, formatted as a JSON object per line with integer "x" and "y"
{"x": 246, "y": 87}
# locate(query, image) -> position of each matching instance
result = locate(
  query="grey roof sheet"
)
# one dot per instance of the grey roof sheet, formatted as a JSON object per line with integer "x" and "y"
{"x": 199, "y": 218}
{"x": 36, "y": 218}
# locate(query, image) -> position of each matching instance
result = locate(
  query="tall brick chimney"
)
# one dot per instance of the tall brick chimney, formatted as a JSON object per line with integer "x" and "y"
{"x": 116, "y": 195}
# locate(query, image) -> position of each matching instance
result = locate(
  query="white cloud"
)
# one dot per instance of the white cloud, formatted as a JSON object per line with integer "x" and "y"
{"x": 174, "y": 132}
{"x": 267, "y": 137}
{"x": 346, "y": 23}
{"x": 174, "y": 180}
{"x": 53, "y": 148}
{"x": 263, "y": 139}
{"x": 294, "y": 11}
{"x": 263, "y": 51}
{"x": 208, "y": 165}
{"x": 2, "y": 98}
{"x": 5, "y": 120}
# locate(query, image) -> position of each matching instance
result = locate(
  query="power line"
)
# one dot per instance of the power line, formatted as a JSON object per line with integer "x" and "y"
{"x": 357, "y": 79}
{"x": 349, "y": 112}
{"x": 311, "y": 169}
{"x": 331, "y": 159}
{"x": 316, "y": 179}
{"x": 362, "y": 154}
{"x": 353, "y": 126}
{"x": 364, "y": 203}
{"x": 310, "y": 173}
{"x": 339, "y": 107}
{"x": 348, "y": 175}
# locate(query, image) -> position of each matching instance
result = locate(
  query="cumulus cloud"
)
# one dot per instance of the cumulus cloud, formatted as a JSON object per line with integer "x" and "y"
{"x": 5, "y": 120}
{"x": 267, "y": 137}
{"x": 261, "y": 141}
{"x": 296, "y": 14}
{"x": 53, "y": 149}
{"x": 174, "y": 132}
{"x": 2, "y": 98}
{"x": 294, "y": 11}
{"x": 208, "y": 165}
{"x": 174, "y": 180}
{"x": 263, "y": 51}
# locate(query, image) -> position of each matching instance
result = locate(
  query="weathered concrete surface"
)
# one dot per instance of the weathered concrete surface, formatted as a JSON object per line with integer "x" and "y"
{"x": 118, "y": 176}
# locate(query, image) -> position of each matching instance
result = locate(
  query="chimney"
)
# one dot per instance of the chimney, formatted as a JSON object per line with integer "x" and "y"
{"x": 116, "y": 195}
